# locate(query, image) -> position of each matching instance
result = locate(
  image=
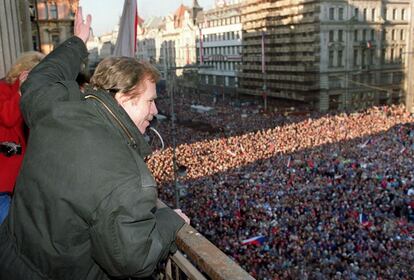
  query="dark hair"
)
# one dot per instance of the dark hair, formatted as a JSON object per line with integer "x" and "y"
{"x": 123, "y": 74}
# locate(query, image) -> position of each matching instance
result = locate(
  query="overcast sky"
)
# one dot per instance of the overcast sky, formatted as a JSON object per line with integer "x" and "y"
{"x": 106, "y": 13}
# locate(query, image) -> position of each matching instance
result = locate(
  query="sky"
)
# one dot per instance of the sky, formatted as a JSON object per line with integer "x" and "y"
{"x": 106, "y": 13}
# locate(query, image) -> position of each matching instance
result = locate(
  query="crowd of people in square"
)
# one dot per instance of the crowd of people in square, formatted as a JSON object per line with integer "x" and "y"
{"x": 332, "y": 194}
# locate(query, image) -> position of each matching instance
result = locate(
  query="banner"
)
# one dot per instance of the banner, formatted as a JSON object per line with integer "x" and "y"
{"x": 257, "y": 240}
{"x": 126, "y": 43}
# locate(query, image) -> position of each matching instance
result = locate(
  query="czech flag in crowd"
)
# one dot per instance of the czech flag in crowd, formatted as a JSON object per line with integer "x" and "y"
{"x": 257, "y": 240}
{"x": 363, "y": 220}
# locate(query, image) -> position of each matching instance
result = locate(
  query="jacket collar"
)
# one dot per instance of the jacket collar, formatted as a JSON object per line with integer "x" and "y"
{"x": 120, "y": 118}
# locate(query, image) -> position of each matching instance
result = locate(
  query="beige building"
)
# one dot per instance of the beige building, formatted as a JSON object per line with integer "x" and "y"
{"x": 52, "y": 22}
{"x": 326, "y": 54}
{"x": 170, "y": 42}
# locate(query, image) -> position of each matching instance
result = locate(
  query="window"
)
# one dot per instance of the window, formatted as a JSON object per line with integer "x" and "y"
{"x": 340, "y": 35}
{"x": 55, "y": 40}
{"x": 402, "y": 37}
{"x": 364, "y": 35}
{"x": 371, "y": 57}
{"x": 394, "y": 14}
{"x": 392, "y": 55}
{"x": 393, "y": 35}
{"x": 400, "y": 56}
{"x": 331, "y": 13}
{"x": 341, "y": 13}
{"x": 340, "y": 58}
{"x": 384, "y": 14}
{"x": 363, "y": 57}
{"x": 373, "y": 14}
{"x": 355, "y": 35}
{"x": 331, "y": 58}
{"x": 372, "y": 34}
{"x": 383, "y": 56}
{"x": 356, "y": 13}
{"x": 331, "y": 36}
{"x": 53, "y": 11}
{"x": 403, "y": 14}
{"x": 365, "y": 14}
{"x": 42, "y": 10}
{"x": 355, "y": 57}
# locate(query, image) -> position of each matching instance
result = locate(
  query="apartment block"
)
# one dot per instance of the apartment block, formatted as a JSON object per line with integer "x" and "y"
{"x": 326, "y": 54}
{"x": 219, "y": 46}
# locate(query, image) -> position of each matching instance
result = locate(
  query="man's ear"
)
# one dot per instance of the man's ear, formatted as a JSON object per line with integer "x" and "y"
{"x": 121, "y": 98}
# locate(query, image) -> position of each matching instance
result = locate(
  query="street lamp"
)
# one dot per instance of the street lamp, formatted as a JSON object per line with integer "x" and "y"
{"x": 174, "y": 144}
{"x": 178, "y": 170}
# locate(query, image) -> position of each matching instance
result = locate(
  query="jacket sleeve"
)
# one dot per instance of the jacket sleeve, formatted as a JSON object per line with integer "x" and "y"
{"x": 131, "y": 236}
{"x": 42, "y": 87}
{"x": 10, "y": 114}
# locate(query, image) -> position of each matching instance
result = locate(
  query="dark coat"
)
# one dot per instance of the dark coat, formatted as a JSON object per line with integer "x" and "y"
{"x": 85, "y": 202}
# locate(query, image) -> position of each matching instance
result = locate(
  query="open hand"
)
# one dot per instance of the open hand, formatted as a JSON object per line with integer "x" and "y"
{"x": 82, "y": 29}
{"x": 182, "y": 215}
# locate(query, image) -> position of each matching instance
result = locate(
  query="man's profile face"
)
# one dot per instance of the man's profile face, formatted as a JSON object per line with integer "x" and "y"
{"x": 141, "y": 109}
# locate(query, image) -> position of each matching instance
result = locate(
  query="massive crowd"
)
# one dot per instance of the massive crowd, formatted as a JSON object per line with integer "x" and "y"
{"x": 332, "y": 194}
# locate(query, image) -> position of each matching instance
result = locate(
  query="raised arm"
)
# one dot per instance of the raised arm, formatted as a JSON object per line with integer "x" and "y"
{"x": 82, "y": 29}
{"x": 51, "y": 79}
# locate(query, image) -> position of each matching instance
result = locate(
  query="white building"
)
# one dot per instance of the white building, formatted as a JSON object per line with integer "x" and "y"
{"x": 169, "y": 42}
{"x": 362, "y": 52}
{"x": 219, "y": 45}
{"x": 149, "y": 39}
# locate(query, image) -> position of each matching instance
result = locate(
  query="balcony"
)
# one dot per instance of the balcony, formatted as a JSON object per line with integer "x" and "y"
{"x": 198, "y": 259}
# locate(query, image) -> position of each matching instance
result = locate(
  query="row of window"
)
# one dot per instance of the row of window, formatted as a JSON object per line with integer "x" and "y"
{"x": 337, "y": 13}
{"x": 231, "y": 50}
{"x": 365, "y": 57}
{"x": 367, "y": 34}
{"x": 232, "y": 35}
{"x": 220, "y": 22}
{"x": 368, "y": 79}
{"x": 47, "y": 10}
{"x": 225, "y": 66}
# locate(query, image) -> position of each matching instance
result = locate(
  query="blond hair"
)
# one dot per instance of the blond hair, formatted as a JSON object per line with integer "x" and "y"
{"x": 25, "y": 62}
{"x": 123, "y": 74}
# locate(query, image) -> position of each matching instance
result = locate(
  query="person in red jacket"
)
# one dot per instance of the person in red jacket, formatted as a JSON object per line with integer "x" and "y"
{"x": 12, "y": 128}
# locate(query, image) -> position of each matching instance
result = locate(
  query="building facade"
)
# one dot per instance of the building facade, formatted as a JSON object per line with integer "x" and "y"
{"x": 170, "y": 42}
{"x": 409, "y": 64}
{"x": 149, "y": 39}
{"x": 327, "y": 54}
{"x": 219, "y": 46}
{"x": 52, "y": 22}
{"x": 362, "y": 53}
{"x": 15, "y": 32}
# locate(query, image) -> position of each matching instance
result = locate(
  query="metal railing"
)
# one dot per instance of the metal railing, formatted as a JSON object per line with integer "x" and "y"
{"x": 198, "y": 259}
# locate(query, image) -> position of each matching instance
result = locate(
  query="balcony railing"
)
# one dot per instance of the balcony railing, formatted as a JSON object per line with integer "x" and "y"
{"x": 198, "y": 259}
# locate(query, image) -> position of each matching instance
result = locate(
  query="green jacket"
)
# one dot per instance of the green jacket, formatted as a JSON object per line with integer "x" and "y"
{"x": 85, "y": 202}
